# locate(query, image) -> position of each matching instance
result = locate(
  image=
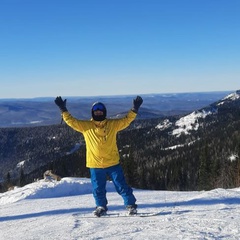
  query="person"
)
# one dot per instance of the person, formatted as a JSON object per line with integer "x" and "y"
{"x": 102, "y": 156}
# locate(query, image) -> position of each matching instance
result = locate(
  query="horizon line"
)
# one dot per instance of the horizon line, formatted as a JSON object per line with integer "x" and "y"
{"x": 117, "y": 95}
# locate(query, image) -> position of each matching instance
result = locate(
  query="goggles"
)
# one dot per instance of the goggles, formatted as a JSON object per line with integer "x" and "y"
{"x": 99, "y": 107}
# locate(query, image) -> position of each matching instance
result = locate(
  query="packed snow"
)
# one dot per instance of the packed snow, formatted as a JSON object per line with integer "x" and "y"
{"x": 63, "y": 210}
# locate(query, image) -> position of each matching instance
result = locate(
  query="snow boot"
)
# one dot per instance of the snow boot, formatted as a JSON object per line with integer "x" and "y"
{"x": 131, "y": 209}
{"x": 100, "y": 211}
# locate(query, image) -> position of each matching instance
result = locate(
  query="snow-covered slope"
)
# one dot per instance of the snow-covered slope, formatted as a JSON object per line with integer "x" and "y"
{"x": 47, "y": 211}
{"x": 190, "y": 122}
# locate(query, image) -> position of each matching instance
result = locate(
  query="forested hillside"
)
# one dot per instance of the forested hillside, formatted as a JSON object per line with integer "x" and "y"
{"x": 164, "y": 153}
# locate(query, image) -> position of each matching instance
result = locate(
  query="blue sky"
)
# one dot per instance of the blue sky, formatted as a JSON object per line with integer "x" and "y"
{"x": 118, "y": 47}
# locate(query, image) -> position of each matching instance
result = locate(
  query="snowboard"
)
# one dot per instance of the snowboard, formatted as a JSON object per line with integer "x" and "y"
{"x": 117, "y": 215}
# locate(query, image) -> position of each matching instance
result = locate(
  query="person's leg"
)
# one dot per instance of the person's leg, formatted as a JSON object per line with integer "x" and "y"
{"x": 98, "y": 179}
{"x": 117, "y": 176}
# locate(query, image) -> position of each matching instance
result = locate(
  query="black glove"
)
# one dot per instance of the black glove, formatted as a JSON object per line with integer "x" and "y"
{"x": 61, "y": 104}
{"x": 137, "y": 102}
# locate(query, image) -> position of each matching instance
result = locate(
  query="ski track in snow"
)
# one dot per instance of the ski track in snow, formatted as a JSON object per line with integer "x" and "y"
{"x": 52, "y": 210}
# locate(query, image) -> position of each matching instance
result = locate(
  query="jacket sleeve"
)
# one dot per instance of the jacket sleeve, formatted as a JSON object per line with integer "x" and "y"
{"x": 124, "y": 122}
{"x": 76, "y": 124}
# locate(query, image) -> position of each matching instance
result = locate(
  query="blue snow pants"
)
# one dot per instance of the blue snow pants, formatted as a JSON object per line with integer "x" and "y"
{"x": 99, "y": 181}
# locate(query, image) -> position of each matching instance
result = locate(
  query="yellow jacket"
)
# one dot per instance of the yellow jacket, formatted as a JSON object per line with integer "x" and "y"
{"x": 100, "y": 138}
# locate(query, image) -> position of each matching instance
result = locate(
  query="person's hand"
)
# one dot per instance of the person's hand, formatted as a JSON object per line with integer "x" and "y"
{"x": 137, "y": 102}
{"x": 61, "y": 104}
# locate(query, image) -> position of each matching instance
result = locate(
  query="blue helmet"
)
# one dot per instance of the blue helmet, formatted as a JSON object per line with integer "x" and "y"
{"x": 98, "y": 106}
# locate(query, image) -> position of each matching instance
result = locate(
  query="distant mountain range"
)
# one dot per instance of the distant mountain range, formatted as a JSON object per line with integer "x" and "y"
{"x": 43, "y": 111}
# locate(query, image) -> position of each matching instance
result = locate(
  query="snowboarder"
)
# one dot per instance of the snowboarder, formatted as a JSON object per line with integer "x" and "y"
{"x": 102, "y": 153}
